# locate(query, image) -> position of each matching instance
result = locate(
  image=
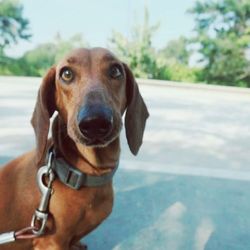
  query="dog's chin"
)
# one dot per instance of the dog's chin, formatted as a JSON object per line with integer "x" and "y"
{"x": 95, "y": 143}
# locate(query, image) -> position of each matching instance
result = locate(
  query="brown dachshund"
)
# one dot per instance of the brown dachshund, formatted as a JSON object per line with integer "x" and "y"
{"x": 90, "y": 89}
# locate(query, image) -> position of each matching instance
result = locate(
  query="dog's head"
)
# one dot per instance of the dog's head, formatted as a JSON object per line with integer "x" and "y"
{"x": 90, "y": 89}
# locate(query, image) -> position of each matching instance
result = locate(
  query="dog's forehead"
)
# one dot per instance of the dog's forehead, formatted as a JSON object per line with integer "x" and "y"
{"x": 88, "y": 56}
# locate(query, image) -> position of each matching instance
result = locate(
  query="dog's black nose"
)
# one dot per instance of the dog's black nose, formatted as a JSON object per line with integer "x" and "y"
{"x": 95, "y": 121}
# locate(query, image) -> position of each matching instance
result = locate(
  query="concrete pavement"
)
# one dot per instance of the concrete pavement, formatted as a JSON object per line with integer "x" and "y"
{"x": 189, "y": 186}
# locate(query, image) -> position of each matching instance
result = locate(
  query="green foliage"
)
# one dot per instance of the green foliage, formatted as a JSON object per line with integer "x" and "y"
{"x": 174, "y": 61}
{"x": 179, "y": 72}
{"x": 176, "y": 50}
{"x": 138, "y": 52}
{"x": 13, "y": 26}
{"x": 37, "y": 61}
{"x": 223, "y": 35}
{"x": 169, "y": 63}
{"x": 65, "y": 46}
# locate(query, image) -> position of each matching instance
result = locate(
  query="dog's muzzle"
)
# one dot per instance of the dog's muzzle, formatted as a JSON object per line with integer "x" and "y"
{"x": 95, "y": 121}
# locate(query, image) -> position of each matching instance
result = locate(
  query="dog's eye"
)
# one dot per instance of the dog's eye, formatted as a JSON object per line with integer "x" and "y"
{"x": 116, "y": 71}
{"x": 67, "y": 74}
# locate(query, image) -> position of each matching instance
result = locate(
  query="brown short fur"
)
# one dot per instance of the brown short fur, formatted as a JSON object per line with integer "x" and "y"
{"x": 73, "y": 213}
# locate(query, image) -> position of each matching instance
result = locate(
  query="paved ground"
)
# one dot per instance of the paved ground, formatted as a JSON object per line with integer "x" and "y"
{"x": 189, "y": 187}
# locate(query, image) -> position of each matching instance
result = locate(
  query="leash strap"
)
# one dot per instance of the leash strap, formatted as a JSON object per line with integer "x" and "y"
{"x": 23, "y": 234}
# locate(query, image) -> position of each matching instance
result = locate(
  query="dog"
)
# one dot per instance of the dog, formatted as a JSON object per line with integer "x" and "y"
{"x": 91, "y": 90}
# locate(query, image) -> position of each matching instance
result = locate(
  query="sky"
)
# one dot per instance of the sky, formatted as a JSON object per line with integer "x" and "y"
{"x": 96, "y": 20}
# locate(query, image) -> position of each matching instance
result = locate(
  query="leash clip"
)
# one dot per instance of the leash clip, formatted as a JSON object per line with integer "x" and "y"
{"x": 40, "y": 217}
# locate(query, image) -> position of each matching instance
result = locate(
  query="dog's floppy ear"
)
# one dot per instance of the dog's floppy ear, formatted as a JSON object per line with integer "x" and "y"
{"x": 44, "y": 109}
{"x": 136, "y": 114}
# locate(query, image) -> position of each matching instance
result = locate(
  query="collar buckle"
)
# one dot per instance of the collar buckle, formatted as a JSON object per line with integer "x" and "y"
{"x": 74, "y": 178}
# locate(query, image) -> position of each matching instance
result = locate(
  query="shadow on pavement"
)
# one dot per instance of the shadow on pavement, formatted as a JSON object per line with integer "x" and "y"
{"x": 161, "y": 211}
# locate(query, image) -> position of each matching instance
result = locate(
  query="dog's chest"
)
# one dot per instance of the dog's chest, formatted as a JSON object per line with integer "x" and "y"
{"x": 80, "y": 211}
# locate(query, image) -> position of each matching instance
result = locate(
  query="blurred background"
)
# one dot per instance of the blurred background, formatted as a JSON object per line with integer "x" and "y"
{"x": 187, "y": 41}
{"x": 188, "y": 189}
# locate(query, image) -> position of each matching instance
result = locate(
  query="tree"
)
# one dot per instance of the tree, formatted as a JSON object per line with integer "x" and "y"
{"x": 65, "y": 46}
{"x": 13, "y": 26}
{"x": 223, "y": 35}
{"x": 169, "y": 63}
{"x": 138, "y": 52}
{"x": 173, "y": 59}
{"x": 176, "y": 50}
{"x": 37, "y": 61}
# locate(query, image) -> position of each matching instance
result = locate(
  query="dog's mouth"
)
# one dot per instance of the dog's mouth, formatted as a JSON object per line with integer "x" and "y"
{"x": 100, "y": 141}
{"x": 96, "y": 142}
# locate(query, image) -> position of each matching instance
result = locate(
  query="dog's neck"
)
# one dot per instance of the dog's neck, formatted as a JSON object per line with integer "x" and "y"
{"x": 91, "y": 160}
